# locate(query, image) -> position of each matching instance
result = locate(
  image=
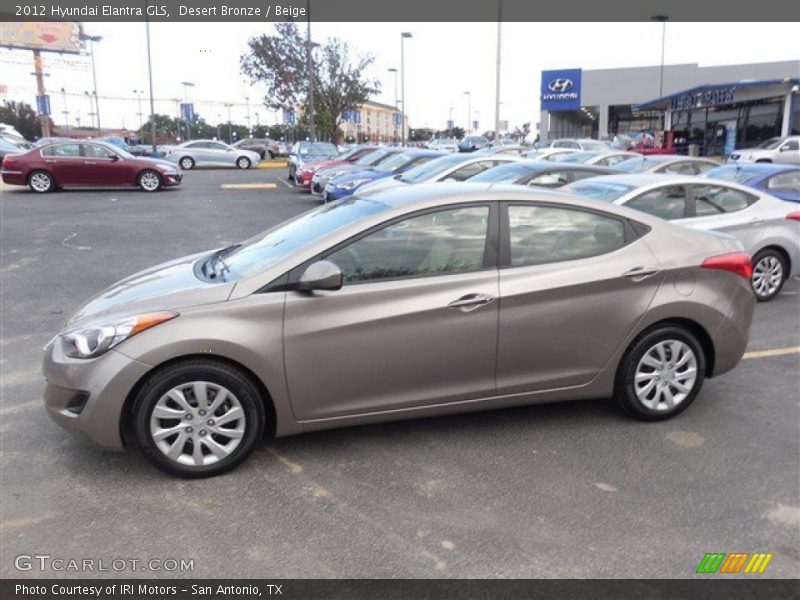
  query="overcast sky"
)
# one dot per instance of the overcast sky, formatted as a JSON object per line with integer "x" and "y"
{"x": 442, "y": 61}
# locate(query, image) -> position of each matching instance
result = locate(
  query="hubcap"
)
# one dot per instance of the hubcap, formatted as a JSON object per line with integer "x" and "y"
{"x": 665, "y": 375}
{"x": 149, "y": 181}
{"x": 186, "y": 163}
{"x": 213, "y": 438}
{"x": 243, "y": 162}
{"x": 767, "y": 276}
{"x": 40, "y": 182}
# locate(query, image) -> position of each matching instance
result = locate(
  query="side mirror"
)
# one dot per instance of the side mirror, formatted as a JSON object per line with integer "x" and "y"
{"x": 321, "y": 275}
{"x": 785, "y": 148}
{"x": 114, "y": 157}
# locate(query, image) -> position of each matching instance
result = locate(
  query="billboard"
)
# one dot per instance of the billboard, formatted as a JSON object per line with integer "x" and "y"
{"x": 561, "y": 90}
{"x": 46, "y": 36}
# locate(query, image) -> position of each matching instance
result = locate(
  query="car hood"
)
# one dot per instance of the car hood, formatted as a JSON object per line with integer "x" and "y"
{"x": 169, "y": 286}
{"x": 369, "y": 174}
{"x": 382, "y": 184}
{"x": 324, "y": 164}
{"x": 339, "y": 170}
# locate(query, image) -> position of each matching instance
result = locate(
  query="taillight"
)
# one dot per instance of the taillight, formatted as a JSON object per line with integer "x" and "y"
{"x": 794, "y": 216}
{"x": 736, "y": 262}
{"x": 8, "y": 161}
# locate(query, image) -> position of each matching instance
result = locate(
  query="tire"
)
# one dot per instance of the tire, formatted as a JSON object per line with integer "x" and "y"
{"x": 241, "y": 405}
{"x": 271, "y": 154}
{"x": 41, "y": 182}
{"x": 290, "y": 177}
{"x": 769, "y": 274}
{"x": 186, "y": 163}
{"x": 243, "y": 162}
{"x": 653, "y": 404}
{"x": 149, "y": 181}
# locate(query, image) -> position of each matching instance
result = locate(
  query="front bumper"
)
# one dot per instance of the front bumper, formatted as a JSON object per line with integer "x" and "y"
{"x": 107, "y": 379}
{"x": 303, "y": 179}
{"x": 332, "y": 193}
{"x": 170, "y": 179}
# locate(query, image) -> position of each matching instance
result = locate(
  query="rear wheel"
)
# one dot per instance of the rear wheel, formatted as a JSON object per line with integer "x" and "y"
{"x": 661, "y": 374}
{"x": 41, "y": 182}
{"x": 769, "y": 274}
{"x": 149, "y": 181}
{"x": 243, "y": 162}
{"x": 198, "y": 418}
{"x": 187, "y": 163}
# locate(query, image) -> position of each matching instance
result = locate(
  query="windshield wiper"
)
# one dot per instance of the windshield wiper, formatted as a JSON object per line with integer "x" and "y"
{"x": 216, "y": 266}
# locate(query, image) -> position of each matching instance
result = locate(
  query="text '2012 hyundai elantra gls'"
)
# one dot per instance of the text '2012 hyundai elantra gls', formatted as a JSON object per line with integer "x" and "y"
{"x": 426, "y": 300}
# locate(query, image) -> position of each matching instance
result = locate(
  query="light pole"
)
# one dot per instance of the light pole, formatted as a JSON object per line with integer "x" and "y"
{"x": 91, "y": 106}
{"x": 65, "y": 112}
{"x": 663, "y": 20}
{"x": 230, "y": 126}
{"x": 394, "y": 118}
{"x": 186, "y": 85}
{"x": 497, "y": 73}
{"x": 150, "y": 79}
{"x": 247, "y": 116}
{"x": 469, "y": 112}
{"x": 403, "y": 37}
{"x": 138, "y": 94}
{"x": 92, "y": 39}
{"x": 310, "y": 69}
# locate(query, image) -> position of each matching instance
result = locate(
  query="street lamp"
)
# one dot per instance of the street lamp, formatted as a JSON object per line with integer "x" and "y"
{"x": 403, "y": 36}
{"x": 138, "y": 94}
{"x": 394, "y": 118}
{"x": 469, "y": 112}
{"x": 65, "y": 112}
{"x": 663, "y": 20}
{"x": 150, "y": 78}
{"x": 92, "y": 39}
{"x": 91, "y": 106}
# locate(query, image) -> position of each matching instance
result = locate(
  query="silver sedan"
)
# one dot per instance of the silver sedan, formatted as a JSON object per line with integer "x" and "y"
{"x": 769, "y": 228}
{"x": 211, "y": 153}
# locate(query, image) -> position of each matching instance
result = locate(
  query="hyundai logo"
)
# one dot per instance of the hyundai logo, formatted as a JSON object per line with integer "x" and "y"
{"x": 560, "y": 85}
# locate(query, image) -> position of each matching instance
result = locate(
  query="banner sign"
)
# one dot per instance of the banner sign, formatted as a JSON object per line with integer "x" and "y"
{"x": 352, "y": 116}
{"x": 46, "y": 36}
{"x": 288, "y": 116}
{"x": 561, "y": 90}
{"x": 43, "y": 105}
{"x": 187, "y": 112}
{"x": 708, "y": 97}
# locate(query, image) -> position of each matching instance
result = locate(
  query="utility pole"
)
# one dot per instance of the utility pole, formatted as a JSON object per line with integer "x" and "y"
{"x": 138, "y": 94}
{"x": 310, "y": 69}
{"x": 65, "y": 112}
{"x": 497, "y": 71}
{"x": 44, "y": 119}
{"x": 230, "y": 126}
{"x": 394, "y": 117}
{"x": 663, "y": 20}
{"x": 403, "y": 36}
{"x": 469, "y": 113}
{"x": 150, "y": 77}
{"x": 92, "y": 39}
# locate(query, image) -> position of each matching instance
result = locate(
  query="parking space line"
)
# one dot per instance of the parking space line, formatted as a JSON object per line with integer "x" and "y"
{"x": 774, "y": 352}
{"x": 247, "y": 186}
{"x": 286, "y": 183}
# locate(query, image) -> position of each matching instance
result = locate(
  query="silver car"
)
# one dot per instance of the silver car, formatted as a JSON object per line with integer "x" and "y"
{"x": 594, "y": 157}
{"x": 424, "y": 300}
{"x": 211, "y": 153}
{"x": 776, "y": 150}
{"x": 768, "y": 228}
{"x": 323, "y": 176}
{"x": 669, "y": 164}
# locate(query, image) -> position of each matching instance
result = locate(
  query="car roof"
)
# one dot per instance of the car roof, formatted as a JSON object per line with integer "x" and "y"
{"x": 642, "y": 180}
{"x": 765, "y": 168}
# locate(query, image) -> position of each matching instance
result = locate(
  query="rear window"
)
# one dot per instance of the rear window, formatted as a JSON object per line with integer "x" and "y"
{"x": 731, "y": 173}
{"x": 599, "y": 190}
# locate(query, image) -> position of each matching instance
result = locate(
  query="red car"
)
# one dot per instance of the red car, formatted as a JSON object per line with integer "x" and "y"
{"x": 306, "y": 172}
{"x": 86, "y": 163}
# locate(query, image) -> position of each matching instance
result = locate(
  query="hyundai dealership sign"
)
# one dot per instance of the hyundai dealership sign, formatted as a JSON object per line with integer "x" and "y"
{"x": 561, "y": 90}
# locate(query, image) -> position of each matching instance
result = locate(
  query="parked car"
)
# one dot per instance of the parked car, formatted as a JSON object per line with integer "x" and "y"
{"x": 147, "y": 150}
{"x": 667, "y": 164}
{"x": 580, "y": 144}
{"x": 540, "y": 173}
{"x": 264, "y": 147}
{"x": 593, "y": 157}
{"x": 450, "y": 167}
{"x": 777, "y": 150}
{"x": 116, "y": 141}
{"x": 283, "y": 148}
{"x": 323, "y": 176}
{"x": 471, "y": 143}
{"x": 10, "y": 144}
{"x": 85, "y": 163}
{"x": 303, "y": 152}
{"x": 399, "y": 306}
{"x": 546, "y": 153}
{"x": 510, "y": 149}
{"x": 44, "y": 141}
{"x": 347, "y": 184}
{"x": 211, "y": 153}
{"x": 782, "y": 181}
{"x": 305, "y": 173}
{"x": 767, "y": 227}
{"x": 444, "y": 145}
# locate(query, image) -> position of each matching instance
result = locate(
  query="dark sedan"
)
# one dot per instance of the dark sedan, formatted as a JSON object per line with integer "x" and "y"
{"x": 541, "y": 174}
{"x": 74, "y": 163}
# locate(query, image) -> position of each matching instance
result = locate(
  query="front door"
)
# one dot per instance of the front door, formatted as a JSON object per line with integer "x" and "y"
{"x": 573, "y": 284}
{"x": 105, "y": 167}
{"x": 415, "y": 323}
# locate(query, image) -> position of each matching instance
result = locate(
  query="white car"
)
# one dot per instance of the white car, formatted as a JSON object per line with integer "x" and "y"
{"x": 444, "y": 145}
{"x": 211, "y": 153}
{"x": 784, "y": 150}
{"x": 451, "y": 167}
{"x": 591, "y": 157}
{"x": 767, "y": 227}
{"x": 546, "y": 153}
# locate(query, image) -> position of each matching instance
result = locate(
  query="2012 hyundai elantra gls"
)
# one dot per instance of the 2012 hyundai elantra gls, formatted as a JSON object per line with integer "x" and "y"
{"x": 426, "y": 300}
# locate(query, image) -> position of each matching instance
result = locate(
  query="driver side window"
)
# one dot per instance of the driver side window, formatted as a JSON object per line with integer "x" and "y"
{"x": 436, "y": 243}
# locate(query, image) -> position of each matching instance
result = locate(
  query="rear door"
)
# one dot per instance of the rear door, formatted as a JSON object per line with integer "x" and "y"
{"x": 220, "y": 154}
{"x": 573, "y": 284}
{"x": 66, "y": 163}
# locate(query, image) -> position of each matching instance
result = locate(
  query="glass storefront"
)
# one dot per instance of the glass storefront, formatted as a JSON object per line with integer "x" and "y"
{"x": 624, "y": 118}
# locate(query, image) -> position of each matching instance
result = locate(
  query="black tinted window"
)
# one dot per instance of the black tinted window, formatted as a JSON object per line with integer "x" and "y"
{"x": 447, "y": 241}
{"x": 545, "y": 234}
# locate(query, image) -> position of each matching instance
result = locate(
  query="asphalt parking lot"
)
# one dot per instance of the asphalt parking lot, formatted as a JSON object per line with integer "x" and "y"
{"x": 568, "y": 490}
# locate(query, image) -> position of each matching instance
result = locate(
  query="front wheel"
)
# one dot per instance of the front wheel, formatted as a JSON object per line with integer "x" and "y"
{"x": 149, "y": 181}
{"x": 187, "y": 163}
{"x": 243, "y": 162}
{"x": 198, "y": 418}
{"x": 661, "y": 374}
{"x": 41, "y": 182}
{"x": 769, "y": 274}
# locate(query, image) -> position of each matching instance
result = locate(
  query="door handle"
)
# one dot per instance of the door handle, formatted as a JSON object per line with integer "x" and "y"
{"x": 89, "y": 162}
{"x": 756, "y": 221}
{"x": 470, "y": 302}
{"x": 639, "y": 273}
{"x": 51, "y": 162}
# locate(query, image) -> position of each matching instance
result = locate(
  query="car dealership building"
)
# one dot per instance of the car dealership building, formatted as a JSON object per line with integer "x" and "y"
{"x": 715, "y": 108}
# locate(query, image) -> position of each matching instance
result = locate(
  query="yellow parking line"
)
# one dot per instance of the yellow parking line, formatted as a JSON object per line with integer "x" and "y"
{"x": 248, "y": 186}
{"x": 775, "y": 352}
{"x": 272, "y": 164}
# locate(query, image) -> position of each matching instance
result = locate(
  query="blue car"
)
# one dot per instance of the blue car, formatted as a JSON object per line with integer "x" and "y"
{"x": 782, "y": 181}
{"x": 346, "y": 184}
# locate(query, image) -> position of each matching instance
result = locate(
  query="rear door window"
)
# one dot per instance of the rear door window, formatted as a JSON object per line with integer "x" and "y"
{"x": 784, "y": 182}
{"x": 712, "y": 200}
{"x": 668, "y": 202}
{"x": 63, "y": 151}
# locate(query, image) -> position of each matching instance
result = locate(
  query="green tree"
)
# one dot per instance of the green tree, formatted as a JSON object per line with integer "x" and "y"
{"x": 22, "y": 117}
{"x": 340, "y": 83}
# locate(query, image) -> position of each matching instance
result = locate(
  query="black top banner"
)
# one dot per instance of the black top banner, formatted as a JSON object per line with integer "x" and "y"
{"x": 400, "y": 10}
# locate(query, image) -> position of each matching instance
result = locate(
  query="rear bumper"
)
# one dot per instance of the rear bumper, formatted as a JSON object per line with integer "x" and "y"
{"x": 733, "y": 332}
{"x": 13, "y": 177}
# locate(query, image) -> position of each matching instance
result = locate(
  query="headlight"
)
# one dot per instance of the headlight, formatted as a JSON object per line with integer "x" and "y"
{"x": 93, "y": 340}
{"x": 353, "y": 183}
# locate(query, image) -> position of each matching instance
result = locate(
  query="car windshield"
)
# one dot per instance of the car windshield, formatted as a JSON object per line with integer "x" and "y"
{"x": 432, "y": 168}
{"x": 770, "y": 144}
{"x": 508, "y": 173}
{"x": 594, "y": 146}
{"x": 731, "y": 173}
{"x": 636, "y": 164}
{"x": 262, "y": 251}
{"x": 599, "y": 190}
{"x": 573, "y": 157}
{"x": 394, "y": 163}
{"x": 375, "y": 157}
{"x": 319, "y": 149}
